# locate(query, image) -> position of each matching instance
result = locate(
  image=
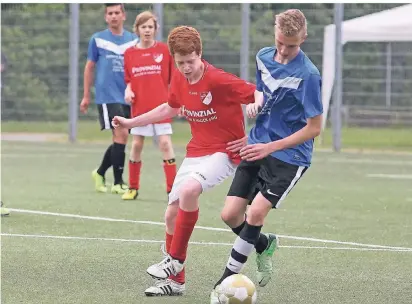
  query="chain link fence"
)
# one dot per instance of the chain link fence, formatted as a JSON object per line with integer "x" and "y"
{"x": 35, "y": 44}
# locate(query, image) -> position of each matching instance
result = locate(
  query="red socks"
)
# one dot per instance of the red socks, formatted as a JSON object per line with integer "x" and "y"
{"x": 176, "y": 245}
{"x": 185, "y": 223}
{"x": 134, "y": 174}
{"x": 169, "y": 167}
{"x": 180, "y": 278}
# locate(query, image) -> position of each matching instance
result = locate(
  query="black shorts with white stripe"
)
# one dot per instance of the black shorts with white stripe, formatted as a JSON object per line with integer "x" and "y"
{"x": 109, "y": 110}
{"x": 270, "y": 176}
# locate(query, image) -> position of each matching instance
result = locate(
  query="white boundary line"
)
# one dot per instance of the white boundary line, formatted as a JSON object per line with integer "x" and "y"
{"x": 366, "y": 161}
{"x": 98, "y": 144}
{"x": 193, "y": 243}
{"x": 390, "y": 176}
{"x": 206, "y": 228}
{"x": 92, "y": 149}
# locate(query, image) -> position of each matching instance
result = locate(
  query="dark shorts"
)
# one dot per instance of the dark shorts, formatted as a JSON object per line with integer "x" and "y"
{"x": 270, "y": 176}
{"x": 109, "y": 110}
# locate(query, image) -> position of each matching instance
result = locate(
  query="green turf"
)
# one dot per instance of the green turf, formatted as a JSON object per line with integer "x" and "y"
{"x": 335, "y": 201}
{"x": 399, "y": 139}
{"x": 87, "y": 130}
{"x": 372, "y": 138}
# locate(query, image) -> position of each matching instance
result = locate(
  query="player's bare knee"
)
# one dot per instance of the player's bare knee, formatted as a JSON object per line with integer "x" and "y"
{"x": 255, "y": 217}
{"x": 137, "y": 146}
{"x": 233, "y": 214}
{"x": 170, "y": 216}
{"x": 120, "y": 136}
{"x": 190, "y": 191}
{"x": 229, "y": 217}
{"x": 165, "y": 146}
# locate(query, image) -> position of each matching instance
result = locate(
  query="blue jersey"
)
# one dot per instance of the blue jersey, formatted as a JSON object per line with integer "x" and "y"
{"x": 106, "y": 50}
{"x": 292, "y": 94}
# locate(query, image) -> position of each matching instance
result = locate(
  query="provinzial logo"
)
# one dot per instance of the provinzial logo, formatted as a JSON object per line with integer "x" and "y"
{"x": 201, "y": 116}
{"x": 146, "y": 68}
{"x": 206, "y": 97}
{"x": 201, "y": 113}
{"x": 158, "y": 57}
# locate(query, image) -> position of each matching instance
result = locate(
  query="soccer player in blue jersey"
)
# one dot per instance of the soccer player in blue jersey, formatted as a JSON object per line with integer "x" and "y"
{"x": 105, "y": 61}
{"x": 280, "y": 145}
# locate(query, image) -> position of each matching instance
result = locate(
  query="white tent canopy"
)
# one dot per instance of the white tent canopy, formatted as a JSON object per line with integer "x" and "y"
{"x": 389, "y": 25}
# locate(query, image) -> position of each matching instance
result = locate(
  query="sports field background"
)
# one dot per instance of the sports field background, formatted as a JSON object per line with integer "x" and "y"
{"x": 346, "y": 229}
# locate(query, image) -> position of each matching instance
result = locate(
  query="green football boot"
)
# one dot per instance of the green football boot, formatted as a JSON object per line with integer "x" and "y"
{"x": 99, "y": 182}
{"x": 264, "y": 260}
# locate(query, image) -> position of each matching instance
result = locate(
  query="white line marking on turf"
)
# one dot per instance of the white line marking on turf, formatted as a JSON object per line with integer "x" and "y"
{"x": 391, "y": 176}
{"x": 366, "y": 161}
{"x": 100, "y": 239}
{"x": 61, "y": 147}
{"x": 193, "y": 243}
{"x": 204, "y": 228}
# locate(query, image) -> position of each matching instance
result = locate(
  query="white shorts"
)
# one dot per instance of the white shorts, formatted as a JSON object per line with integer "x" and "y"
{"x": 153, "y": 130}
{"x": 209, "y": 171}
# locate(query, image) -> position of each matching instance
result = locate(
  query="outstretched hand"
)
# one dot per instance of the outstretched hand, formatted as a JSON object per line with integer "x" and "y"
{"x": 128, "y": 95}
{"x": 255, "y": 152}
{"x": 121, "y": 122}
{"x": 236, "y": 145}
{"x": 253, "y": 109}
{"x": 84, "y": 105}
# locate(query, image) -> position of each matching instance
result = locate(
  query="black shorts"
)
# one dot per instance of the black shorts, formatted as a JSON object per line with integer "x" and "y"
{"x": 109, "y": 110}
{"x": 270, "y": 176}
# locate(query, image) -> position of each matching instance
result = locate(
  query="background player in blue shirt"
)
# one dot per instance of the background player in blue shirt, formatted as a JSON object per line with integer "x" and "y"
{"x": 105, "y": 61}
{"x": 280, "y": 145}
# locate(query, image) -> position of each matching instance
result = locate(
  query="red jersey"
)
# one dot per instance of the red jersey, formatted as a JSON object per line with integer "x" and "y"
{"x": 149, "y": 72}
{"x": 213, "y": 108}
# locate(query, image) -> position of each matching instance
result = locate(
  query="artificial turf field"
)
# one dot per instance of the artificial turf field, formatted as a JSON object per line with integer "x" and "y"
{"x": 345, "y": 231}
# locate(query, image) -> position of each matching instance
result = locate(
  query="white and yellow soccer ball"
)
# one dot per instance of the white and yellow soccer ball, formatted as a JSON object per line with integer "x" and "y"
{"x": 237, "y": 289}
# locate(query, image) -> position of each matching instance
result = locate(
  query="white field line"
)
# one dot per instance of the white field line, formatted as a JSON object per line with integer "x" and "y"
{"x": 366, "y": 161}
{"x": 193, "y": 243}
{"x": 93, "y": 149}
{"x": 390, "y": 176}
{"x": 205, "y": 228}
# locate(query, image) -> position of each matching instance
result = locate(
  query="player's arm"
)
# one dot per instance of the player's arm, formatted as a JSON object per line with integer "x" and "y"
{"x": 128, "y": 92}
{"x": 258, "y": 98}
{"x": 87, "y": 84}
{"x": 164, "y": 111}
{"x": 88, "y": 77}
{"x": 259, "y": 151}
{"x": 310, "y": 131}
{"x": 311, "y": 101}
{"x": 253, "y": 109}
{"x": 259, "y": 87}
{"x": 313, "y": 109}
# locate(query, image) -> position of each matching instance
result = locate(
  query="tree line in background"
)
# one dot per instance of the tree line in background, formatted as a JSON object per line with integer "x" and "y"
{"x": 35, "y": 41}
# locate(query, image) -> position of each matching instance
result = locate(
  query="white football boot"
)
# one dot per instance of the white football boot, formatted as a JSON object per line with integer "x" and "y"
{"x": 165, "y": 268}
{"x": 166, "y": 287}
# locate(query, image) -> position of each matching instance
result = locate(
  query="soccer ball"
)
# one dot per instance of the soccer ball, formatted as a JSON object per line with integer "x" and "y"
{"x": 237, "y": 289}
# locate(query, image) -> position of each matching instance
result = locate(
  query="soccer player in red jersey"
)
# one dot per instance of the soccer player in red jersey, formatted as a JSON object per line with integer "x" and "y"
{"x": 148, "y": 69}
{"x": 210, "y": 99}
